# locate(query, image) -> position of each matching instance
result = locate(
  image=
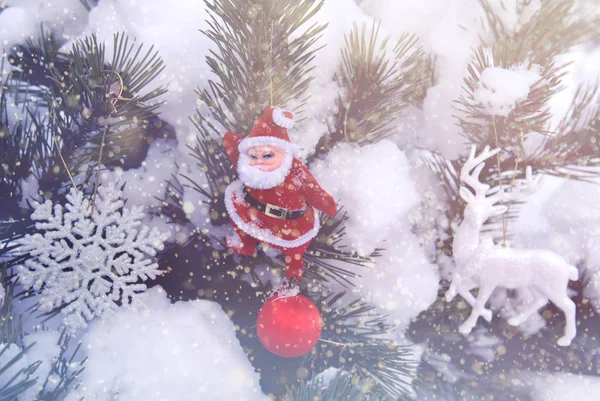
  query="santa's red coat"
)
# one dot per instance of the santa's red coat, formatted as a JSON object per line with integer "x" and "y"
{"x": 298, "y": 191}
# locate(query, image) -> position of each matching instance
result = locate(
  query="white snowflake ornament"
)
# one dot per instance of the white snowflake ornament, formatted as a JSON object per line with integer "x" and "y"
{"x": 88, "y": 264}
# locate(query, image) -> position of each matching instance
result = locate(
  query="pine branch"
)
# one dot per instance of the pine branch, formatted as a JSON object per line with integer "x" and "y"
{"x": 355, "y": 333}
{"x": 553, "y": 29}
{"x": 62, "y": 376}
{"x": 33, "y": 60}
{"x": 91, "y": 96}
{"x": 378, "y": 84}
{"x": 508, "y": 131}
{"x": 254, "y": 51}
{"x": 326, "y": 259}
{"x": 573, "y": 151}
{"x": 16, "y": 143}
{"x": 427, "y": 69}
{"x": 215, "y": 164}
{"x": 171, "y": 205}
{"x": 84, "y": 97}
{"x": 11, "y": 333}
{"x": 343, "y": 387}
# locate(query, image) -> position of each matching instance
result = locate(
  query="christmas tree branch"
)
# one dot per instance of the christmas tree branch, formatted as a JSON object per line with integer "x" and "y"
{"x": 75, "y": 99}
{"x": 326, "y": 259}
{"x": 378, "y": 84}
{"x": 344, "y": 386}
{"x": 483, "y": 123}
{"x": 32, "y": 62}
{"x": 91, "y": 92}
{"x": 356, "y": 334}
{"x": 573, "y": 150}
{"x": 555, "y": 26}
{"x": 252, "y": 41}
{"x": 526, "y": 49}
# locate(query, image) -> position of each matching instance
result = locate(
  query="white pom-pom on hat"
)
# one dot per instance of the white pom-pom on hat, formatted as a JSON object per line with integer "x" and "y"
{"x": 283, "y": 118}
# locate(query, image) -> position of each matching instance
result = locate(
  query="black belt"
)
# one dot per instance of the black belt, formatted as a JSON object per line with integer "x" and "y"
{"x": 272, "y": 210}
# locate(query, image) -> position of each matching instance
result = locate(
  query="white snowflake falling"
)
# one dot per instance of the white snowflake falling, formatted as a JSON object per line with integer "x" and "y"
{"x": 88, "y": 264}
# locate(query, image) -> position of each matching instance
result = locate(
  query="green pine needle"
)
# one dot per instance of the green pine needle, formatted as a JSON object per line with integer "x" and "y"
{"x": 379, "y": 81}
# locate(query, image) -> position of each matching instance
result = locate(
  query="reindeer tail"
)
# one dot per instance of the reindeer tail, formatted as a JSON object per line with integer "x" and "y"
{"x": 573, "y": 273}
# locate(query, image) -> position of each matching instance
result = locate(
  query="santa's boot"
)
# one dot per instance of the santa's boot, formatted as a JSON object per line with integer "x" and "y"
{"x": 241, "y": 243}
{"x": 294, "y": 262}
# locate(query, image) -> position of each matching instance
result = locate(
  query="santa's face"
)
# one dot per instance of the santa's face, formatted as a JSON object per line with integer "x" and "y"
{"x": 264, "y": 166}
{"x": 266, "y": 158}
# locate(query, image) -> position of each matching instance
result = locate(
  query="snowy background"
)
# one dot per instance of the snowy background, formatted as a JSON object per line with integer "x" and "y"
{"x": 382, "y": 186}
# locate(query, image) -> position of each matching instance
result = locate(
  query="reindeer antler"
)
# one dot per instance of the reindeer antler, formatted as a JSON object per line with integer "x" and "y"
{"x": 531, "y": 183}
{"x": 483, "y": 194}
{"x": 522, "y": 188}
{"x": 476, "y": 164}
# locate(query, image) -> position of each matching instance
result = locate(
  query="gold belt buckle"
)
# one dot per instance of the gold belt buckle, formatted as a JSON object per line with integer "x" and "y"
{"x": 268, "y": 212}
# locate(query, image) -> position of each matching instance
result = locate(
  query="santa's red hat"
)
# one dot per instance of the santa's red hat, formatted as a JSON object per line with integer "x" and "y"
{"x": 271, "y": 129}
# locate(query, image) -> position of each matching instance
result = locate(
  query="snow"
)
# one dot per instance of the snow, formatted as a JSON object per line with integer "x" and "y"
{"x": 10, "y": 19}
{"x": 501, "y": 89}
{"x": 22, "y": 19}
{"x": 156, "y": 350}
{"x": 373, "y": 185}
{"x": 45, "y": 349}
{"x": 564, "y": 386}
{"x": 404, "y": 283}
{"x": 448, "y": 31}
{"x": 147, "y": 182}
{"x": 327, "y": 376}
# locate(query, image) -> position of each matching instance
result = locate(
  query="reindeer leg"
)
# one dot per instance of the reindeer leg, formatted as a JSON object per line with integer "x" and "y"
{"x": 484, "y": 294}
{"x": 454, "y": 286}
{"x": 467, "y": 296}
{"x": 457, "y": 286}
{"x": 563, "y": 302}
{"x": 539, "y": 302}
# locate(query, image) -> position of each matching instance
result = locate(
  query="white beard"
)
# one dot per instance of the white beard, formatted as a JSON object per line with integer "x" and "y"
{"x": 257, "y": 179}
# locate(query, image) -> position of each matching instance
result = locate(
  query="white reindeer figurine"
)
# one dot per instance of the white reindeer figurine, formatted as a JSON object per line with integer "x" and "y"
{"x": 480, "y": 262}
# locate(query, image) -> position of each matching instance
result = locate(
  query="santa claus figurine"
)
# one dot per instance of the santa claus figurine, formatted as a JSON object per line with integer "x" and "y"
{"x": 273, "y": 200}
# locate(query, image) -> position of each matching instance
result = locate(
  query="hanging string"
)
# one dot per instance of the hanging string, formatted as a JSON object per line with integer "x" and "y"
{"x": 514, "y": 176}
{"x": 522, "y": 143}
{"x": 63, "y": 159}
{"x": 505, "y": 217}
{"x": 112, "y": 111}
{"x": 271, "y": 72}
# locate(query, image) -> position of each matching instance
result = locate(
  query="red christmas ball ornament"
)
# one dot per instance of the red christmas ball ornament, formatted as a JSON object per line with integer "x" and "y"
{"x": 289, "y": 325}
